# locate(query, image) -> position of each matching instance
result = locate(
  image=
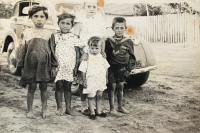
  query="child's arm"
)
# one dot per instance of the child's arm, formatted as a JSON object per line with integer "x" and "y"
{"x": 77, "y": 60}
{"x": 107, "y": 76}
{"x": 54, "y": 62}
{"x": 76, "y": 29}
{"x": 22, "y": 51}
{"x": 132, "y": 59}
{"x": 83, "y": 68}
{"x": 84, "y": 79}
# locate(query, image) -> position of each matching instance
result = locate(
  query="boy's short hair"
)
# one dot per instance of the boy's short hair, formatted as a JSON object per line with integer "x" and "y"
{"x": 37, "y": 8}
{"x": 118, "y": 20}
{"x": 65, "y": 16}
{"x": 93, "y": 41}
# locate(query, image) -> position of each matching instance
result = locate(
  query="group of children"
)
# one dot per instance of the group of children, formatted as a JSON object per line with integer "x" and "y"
{"x": 84, "y": 54}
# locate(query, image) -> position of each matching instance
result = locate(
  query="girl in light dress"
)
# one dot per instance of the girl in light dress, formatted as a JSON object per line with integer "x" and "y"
{"x": 66, "y": 55}
{"x": 94, "y": 72}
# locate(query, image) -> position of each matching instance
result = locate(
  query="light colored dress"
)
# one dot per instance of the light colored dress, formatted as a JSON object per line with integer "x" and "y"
{"x": 95, "y": 69}
{"x": 66, "y": 55}
{"x": 93, "y": 26}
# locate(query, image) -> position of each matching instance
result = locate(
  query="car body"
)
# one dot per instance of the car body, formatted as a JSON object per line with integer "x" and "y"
{"x": 145, "y": 57}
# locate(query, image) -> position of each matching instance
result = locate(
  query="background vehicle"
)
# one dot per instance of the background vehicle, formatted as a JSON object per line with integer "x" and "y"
{"x": 19, "y": 21}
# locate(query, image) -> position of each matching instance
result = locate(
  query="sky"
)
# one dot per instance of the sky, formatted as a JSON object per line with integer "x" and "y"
{"x": 195, "y": 4}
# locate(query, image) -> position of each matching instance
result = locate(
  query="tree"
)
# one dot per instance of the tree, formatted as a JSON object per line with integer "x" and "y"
{"x": 140, "y": 10}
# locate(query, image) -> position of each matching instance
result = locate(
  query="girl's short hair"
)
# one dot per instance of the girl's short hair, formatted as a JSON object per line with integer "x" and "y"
{"x": 37, "y": 8}
{"x": 118, "y": 20}
{"x": 65, "y": 16}
{"x": 93, "y": 41}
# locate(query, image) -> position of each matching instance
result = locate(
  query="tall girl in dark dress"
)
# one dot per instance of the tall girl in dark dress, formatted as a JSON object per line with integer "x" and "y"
{"x": 36, "y": 58}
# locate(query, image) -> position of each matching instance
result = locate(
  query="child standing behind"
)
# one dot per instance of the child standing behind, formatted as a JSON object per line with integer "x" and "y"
{"x": 36, "y": 58}
{"x": 66, "y": 55}
{"x": 92, "y": 24}
{"x": 120, "y": 55}
{"x": 94, "y": 76}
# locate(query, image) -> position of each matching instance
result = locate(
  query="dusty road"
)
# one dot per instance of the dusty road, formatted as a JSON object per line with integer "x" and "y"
{"x": 168, "y": 103}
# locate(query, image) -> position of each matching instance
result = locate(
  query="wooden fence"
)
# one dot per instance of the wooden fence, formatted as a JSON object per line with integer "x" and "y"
{"x": 171, "y": 28}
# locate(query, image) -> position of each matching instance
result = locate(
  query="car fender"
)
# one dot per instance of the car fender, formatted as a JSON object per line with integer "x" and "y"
{"x": 150, "y": 56}
{"x": 12, "y": 34}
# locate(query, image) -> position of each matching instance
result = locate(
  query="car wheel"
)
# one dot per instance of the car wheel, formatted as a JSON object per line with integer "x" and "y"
{"x": 75, "y": 89}
{"x": 12, "y": 61}
{"x": 137, "y": 80}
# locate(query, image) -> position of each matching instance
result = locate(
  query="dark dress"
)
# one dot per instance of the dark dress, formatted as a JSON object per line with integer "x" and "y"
{"x": 37, "y": 56}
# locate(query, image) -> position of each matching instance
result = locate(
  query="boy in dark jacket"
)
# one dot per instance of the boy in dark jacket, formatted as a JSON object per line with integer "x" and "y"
{"x": 120, "y": 55}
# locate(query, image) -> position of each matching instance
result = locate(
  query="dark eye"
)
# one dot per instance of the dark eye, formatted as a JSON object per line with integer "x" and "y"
{"x": 89, "y": 6}
{"x": 35, "y": 16}
{"x": 94, "y": 7}
{"x": 68, "y": 23}
{"x": 42, "y": 16}
{"x": 62, "y": 23}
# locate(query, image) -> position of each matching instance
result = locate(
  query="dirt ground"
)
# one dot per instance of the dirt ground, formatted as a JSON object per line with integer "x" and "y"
{"x": 169, "y": 102}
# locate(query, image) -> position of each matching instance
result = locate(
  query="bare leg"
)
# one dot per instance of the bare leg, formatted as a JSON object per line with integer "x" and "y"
{"x": 30, "y": 97}
{"x": 120, "y": 98}
{"x": 67, "y": 95}
{"x": 98, "y": 101}
{"x": 59, "y": 96}
{"x": 111, "y": 96}
{"x": 91, "y": 105}
{"x": 43, "y": 90}
{"x": 83, "y": 98}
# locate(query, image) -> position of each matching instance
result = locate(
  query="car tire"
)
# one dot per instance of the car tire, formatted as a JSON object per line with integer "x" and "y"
{"x": 12, "y": 61}
{"x": 75, "y": 89}
{"x": 137, "y": 80}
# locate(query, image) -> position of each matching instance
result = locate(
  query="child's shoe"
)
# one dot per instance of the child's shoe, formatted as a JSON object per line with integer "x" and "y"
{"x": 92, "y": 117}
{"x": 101, "y": 115}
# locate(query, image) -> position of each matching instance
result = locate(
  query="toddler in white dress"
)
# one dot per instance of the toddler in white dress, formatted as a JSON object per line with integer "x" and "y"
{"x": 94, "y": 72}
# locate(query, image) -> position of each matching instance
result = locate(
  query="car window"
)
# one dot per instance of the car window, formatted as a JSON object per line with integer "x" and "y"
{"x": 22, "y": 6}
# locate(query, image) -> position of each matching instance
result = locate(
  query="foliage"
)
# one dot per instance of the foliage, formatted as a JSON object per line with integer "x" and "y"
{"x": 5, "y": 10}
{"x": 140, "y": 10}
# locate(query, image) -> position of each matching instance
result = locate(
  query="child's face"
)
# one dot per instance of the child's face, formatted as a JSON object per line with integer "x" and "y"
{"x": 94, "y": 50}
{"x": 90, "y": 9}
{"x": 39, "y": 19}
{"x": 119, "y": 29}
{"x": 65, "y": 25}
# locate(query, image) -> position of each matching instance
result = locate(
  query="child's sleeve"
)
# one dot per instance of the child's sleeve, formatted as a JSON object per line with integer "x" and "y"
{"x": 22, "y": 49}
{"x": 52, "y": 45}
{"x": 77, "y": 42}
{"x": 132, "y": 59}
{"x": 83, "y": 66}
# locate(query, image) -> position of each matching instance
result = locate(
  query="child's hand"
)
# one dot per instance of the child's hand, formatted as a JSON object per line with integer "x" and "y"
{"x": 127, "y": 73}
{"x": 75, "y": 71}
{"x": 84, "y": 57}
{"x": 104, "y": 54}
{"x": 115, "y": 52}
{"x": 85, "y": 83}
{"x": 53, "y": 72}
{"x": 123, "y": 47}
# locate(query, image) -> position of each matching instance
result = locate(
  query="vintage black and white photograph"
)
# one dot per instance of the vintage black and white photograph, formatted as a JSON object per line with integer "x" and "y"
{"x": 100, "y": 66}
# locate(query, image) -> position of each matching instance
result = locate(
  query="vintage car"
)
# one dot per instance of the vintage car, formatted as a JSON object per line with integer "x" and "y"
{"x": 145, "y": 58}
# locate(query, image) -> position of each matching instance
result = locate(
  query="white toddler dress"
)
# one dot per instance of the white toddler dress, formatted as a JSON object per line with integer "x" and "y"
{"x": 95, "y": 69}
